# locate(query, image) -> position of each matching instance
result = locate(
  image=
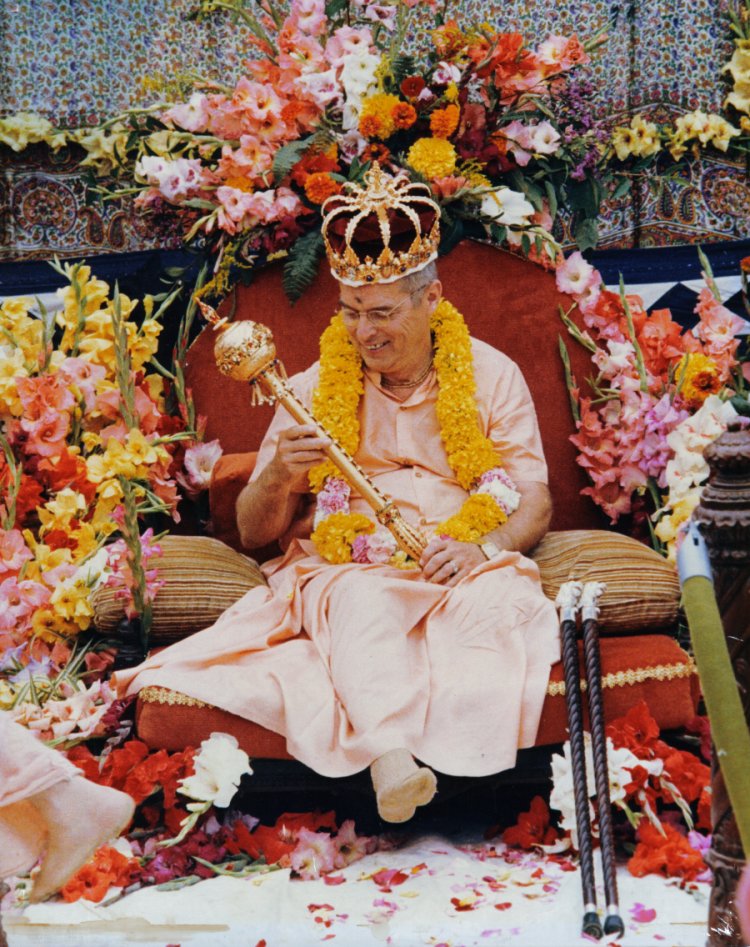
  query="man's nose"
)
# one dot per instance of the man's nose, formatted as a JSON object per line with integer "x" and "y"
{"x": 365, "y": 329}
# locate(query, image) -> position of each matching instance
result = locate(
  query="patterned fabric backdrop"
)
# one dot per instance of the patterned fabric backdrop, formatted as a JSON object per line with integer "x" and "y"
{"x": 80, "y": 61}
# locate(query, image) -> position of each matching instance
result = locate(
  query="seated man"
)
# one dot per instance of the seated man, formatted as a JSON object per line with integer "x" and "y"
{"x": 357, "y": 654}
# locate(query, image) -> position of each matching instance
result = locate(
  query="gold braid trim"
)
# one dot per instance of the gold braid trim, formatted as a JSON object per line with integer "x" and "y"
{"x": 660, "y": 672}
{"x": 163, "y": 695}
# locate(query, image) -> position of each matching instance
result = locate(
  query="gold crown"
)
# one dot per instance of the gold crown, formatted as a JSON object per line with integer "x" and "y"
{"x": 388, "y": 211}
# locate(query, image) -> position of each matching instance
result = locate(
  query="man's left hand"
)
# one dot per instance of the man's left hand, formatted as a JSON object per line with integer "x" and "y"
{"x": 447, "y": 561}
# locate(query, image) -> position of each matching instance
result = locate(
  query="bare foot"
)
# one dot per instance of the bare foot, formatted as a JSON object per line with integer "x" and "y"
{"x": 80, "y": 816}
{"x": 400, "y": 785}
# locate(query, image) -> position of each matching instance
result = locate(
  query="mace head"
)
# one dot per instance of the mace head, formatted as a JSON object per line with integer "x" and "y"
{"x": 244, "y": 349}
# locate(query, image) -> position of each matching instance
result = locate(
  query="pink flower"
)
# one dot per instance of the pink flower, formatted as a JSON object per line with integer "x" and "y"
{"x": 19, "y": 600}
{"x": 575, "y": 275}
{"x": 717, "y": 329}
{"x": 42, "y": 395}
{"x": 192, "y": 115}
{"x": 350, "y": 846}
{"x": 199, "y": 462}
{"x": 381, "y": 13}
{"x": 84, "y": 375}
{"x": 13, "y": 551}
{"x": 562, "y": 52}
{"x": 46, "y": 435}
{"x": 374, "y": 547}
{"x": 333, "y": 498}
{"x": 176, "y": 180}
{"x": 344, "y": 41}
{"x": 543, "y": 138}
{"x": 314, "y": 854}
{"x": 309, "y": 16}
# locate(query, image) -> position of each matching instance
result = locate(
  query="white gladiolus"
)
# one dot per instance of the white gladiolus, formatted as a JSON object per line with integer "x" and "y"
{"x": 219, "y": 766}
{"x": 507, "y": 207}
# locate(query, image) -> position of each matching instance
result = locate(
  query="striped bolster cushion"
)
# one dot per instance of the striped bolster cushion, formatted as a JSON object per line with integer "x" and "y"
{"x": 643, "y": 592}
{"x": 202, "y": 577}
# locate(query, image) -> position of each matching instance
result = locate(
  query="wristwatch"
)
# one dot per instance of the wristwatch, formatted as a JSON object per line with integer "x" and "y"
{"x": 490, "y": 549}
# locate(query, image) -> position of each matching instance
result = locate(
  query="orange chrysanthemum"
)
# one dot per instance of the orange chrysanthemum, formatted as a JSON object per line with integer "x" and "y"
{"x": 376, "y": 152}
{"x": 403, "y": 115}
{"x": 320, "y": 186}
{"x": 371, "y": 126}
{"x": 443, "y": 122}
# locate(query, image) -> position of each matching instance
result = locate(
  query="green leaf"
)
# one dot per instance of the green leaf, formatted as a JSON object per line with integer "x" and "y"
{"x": 587, "y": 233}
{"x": 401, "y": 67}
{"x": 287, "y": 156}
{"x": 334, "y": 7}
{"x": 585, "y": 196}
{"x": 622, "y": 189}
{"x": 741, "y": 405}
{"x": 551, "y": 198}
{"x": 301, "y": 266}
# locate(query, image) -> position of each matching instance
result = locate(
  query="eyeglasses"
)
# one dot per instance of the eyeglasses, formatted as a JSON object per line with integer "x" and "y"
{"x": 376, "y": 317}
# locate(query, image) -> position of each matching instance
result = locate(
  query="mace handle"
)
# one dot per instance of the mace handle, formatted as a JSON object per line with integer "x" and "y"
{"x": 409, "y": 539}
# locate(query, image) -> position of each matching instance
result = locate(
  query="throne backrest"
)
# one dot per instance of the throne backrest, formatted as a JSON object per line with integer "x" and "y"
{"x": 506, "y": 300}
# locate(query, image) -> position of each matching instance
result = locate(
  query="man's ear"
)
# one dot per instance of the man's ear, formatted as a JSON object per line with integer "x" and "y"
{"x": 434, "y": 294}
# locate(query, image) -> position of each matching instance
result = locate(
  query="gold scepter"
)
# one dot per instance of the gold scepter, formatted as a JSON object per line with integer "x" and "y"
{"x": 245, "y": 351}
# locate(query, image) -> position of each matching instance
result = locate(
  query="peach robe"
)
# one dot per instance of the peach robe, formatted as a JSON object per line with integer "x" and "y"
{"x": 349, "y": 661}
{"x": 27, "y": 767}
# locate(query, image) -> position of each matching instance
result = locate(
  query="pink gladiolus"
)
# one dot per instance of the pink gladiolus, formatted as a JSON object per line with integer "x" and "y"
{"x": 43, "y": 395}
{"x": 314, "y": 855}
{"x": 13, "y": 551}
{"x": 199, "y": 462}
{"x": 84, "y": 375}
{"x": 19, "y": 600}
{"x": 309, "y": 16}
{"x": 381, "y": 13}
{"x": 562, "y": 52}
{"x": 350, "y": 847}
{"x": 345, "y": 41}
{"x": 192, "y": 115}
{"x": 46, "y": 435}
{"x": 575, "y": 275}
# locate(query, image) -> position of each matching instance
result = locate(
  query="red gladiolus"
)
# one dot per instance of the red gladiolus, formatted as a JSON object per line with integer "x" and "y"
{"x": 107, "y": 868}
{"x": 533, "y": 827}
{"x": 669, "y": 854}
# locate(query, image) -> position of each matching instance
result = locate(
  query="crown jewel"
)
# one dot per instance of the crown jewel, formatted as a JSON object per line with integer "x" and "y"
{"x": 382, "y": 231}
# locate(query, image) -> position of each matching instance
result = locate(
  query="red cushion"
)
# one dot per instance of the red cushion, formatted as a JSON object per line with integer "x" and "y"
{"x": 654, "y": 669}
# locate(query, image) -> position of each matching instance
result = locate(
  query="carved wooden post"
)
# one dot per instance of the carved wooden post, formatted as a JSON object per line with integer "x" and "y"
{"x": 724, "y": 517}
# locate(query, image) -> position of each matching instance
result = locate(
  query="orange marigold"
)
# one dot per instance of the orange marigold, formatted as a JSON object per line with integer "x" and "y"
{"x": 404, "y": 115}
{"x": 443, "y": 122}
{"x": 371, "y": 126}
{"x": 376, "y": 152}
{"x": 320, "y": 186}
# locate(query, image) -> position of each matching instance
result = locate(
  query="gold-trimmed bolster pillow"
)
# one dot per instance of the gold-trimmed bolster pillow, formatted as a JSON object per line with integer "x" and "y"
{"x": 643, "y": 591}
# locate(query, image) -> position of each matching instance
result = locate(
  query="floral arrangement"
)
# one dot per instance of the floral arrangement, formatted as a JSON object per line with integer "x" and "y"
{"x": 95, "y": 437}
{"x": 663, "y": 792}
{"x": 494, "y": 126}
{"x": 179, "y": 836}
{"x": 660, "y": 396}
{"x": 341, "y": 536}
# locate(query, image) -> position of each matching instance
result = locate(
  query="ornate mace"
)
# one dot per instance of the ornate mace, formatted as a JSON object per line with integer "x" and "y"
{"x": 245, "y": 351}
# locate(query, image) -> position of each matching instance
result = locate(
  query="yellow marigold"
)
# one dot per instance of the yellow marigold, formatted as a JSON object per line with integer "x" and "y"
{"x": 319, "y": 186}
{"x": 336, "y": 398}
{"x": 443, "y": 122}
{"x": 432, "y": 157}
{"x": 698, "y": 376}
{"x": 334, "y": 536}
{"x": 477, "y": 517}
{"x": 379, "y": 108}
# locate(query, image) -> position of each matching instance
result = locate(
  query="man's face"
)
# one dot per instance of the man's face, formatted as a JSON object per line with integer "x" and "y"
{"x": 401, "y": 345}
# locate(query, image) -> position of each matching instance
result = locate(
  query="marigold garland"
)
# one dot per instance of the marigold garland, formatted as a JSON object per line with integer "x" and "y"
{"x": 470, "y": 454}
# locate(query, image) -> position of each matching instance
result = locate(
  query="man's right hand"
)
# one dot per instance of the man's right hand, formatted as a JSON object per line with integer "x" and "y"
{"x": 299, "y": 449}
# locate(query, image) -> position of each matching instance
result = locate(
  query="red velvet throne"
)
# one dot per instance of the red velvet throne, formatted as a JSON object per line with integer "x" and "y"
{"x": 514, "y": 305}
